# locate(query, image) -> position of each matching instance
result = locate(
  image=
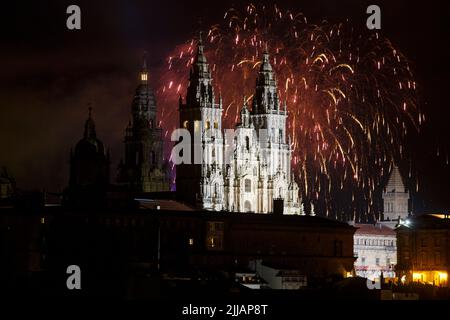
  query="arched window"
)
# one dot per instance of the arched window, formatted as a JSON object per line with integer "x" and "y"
{"x": 213, "y": 153}
{"x": 247, "y": 143}
{"x": 216, "y": 125}
{"x": 207, "y": 125}
{"x": 216, "y": 190}
{"x": 186, "y": 124}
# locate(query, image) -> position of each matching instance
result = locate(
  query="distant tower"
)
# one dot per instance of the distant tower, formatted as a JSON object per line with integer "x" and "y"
{"x": 395, "y": 197}
{"x": 202, "y": 184}
{"x": 89, "y": 163}
{"x": 144, "y": 169}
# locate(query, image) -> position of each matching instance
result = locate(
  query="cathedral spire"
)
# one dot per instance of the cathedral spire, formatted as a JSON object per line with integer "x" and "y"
{"x": 89, "y": 126}
{"x": 200, "y": 58}
{"x": 200, "y": 91}
{"x": 395, "y": 182}
{"x": 144, "y": 71}
{"x": 266, "y": 96}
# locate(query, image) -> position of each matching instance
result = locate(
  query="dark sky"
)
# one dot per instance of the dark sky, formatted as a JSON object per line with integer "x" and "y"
{"x": 48, "y": 74}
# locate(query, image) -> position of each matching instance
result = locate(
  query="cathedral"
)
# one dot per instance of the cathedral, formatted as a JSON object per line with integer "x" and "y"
{"x": 143, "y": 168}
{"x": 251, "y": 171}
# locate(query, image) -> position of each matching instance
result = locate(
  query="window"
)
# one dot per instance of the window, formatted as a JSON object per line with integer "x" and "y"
{"x": 247, "y": 143}
{"x": 437, "y": 242}
{"x": 423, "y": 258}
{"x": 207, "y": 124}
{"x": 248, "y": 185}
{"x": 363, "y": 260}
{"x": 377, "y": 261}
{"x": 214, "y": 235}
{"x": 437, "y": 258}
{"x": 338, "y": 248}
{"x": 216, "y": 125}
{"x": 388, "y": 261}
{"x": 423, "y": 242}
{"x": 216, "y": 190}
{"x": 191, "y": 241}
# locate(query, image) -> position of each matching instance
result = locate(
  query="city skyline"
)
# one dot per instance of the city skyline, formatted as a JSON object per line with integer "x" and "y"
{"x": 32, "y": 156}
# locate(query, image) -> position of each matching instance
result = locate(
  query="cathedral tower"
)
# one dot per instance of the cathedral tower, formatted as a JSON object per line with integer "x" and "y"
{"x": 201, "y": 180}
{"x": 89, "y": 169}
{"x": 269, "y": 115}
{"x": 144, "y": 169}
{"x": 395, "y": 197}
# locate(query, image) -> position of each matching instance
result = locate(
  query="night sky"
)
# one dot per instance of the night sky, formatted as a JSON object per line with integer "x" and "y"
{"x": 49, "y": 74}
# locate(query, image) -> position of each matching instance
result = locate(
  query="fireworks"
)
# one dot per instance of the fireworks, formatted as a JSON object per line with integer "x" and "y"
{"x": 351, "y": 98}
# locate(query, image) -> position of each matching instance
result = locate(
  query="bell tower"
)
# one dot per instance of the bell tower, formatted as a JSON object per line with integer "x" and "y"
{"x": 144, "y": 169}
{"x": 200, "y": 182}
{"x": 395, "y": 197}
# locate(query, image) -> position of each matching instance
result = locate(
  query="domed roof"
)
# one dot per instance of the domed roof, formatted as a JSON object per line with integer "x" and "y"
{"x": 89, "y": 144}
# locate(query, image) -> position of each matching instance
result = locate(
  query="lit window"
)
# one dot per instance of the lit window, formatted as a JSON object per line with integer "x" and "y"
{"x": 144, "y": 76}
{"x": 191, "y": 241}
{"x": 43, "y": 220}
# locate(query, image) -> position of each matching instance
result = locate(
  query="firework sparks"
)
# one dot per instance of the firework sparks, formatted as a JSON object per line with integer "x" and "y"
{"x": 351, "y": 98}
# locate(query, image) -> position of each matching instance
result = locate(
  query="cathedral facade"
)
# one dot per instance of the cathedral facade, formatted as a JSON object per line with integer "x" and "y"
{"x": 243, "y": 171}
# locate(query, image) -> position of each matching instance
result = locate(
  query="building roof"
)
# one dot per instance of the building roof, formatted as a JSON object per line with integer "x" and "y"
{"x": 427, "y": 221}
{"x": 395, "y": 182}
{"x": 373, "y": 230}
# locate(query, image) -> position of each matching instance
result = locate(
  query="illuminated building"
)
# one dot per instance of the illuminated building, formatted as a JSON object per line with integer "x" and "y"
{"x": 395, "y": 199}
{"x": 424, "y": 250}
{"x": 375, "y": 247}
{"x": 259, "y": 170}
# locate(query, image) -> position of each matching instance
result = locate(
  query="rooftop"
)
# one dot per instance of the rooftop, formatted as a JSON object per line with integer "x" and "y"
{"x": 373, "y": 230}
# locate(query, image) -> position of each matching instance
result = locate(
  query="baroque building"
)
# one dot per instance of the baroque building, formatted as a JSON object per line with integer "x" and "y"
{"x": 244, "y": 171}
{"x": 89, "y": 169}
{"x": 143, "y": 168}
{"x": 89, "y": 162}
